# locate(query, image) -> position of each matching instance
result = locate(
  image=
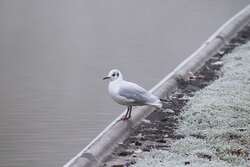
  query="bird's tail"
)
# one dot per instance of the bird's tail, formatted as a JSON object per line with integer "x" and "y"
{"x": 157, "y": 104}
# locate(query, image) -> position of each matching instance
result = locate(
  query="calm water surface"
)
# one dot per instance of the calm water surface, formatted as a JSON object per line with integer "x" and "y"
{"x": 54, "y": 53}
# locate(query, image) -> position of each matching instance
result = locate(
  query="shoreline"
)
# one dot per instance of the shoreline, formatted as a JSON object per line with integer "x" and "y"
{"x": 103, "y": 145}
{"x": 157, "y": 132}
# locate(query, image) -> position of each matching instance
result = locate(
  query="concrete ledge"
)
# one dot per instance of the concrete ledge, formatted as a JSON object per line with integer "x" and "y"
{"x": 96, "y": 151}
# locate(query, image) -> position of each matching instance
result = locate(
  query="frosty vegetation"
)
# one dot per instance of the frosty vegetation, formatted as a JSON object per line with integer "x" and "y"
{"x": 216, "y": 122}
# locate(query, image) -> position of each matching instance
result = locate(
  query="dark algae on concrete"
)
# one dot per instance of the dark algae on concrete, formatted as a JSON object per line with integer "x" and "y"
{"x": 157, "y": 131}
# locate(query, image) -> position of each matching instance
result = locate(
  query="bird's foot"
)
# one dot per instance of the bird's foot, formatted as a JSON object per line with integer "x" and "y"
{"x": 124, "y": 119}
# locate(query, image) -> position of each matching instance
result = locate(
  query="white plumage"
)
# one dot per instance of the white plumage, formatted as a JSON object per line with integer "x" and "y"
{"x": 129, "y": 94}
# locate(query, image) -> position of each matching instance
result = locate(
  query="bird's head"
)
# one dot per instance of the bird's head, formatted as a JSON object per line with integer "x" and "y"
{"x": 113, "y": 75}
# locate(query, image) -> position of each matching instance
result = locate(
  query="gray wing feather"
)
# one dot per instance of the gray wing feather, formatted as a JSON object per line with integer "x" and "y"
{"x": 135, "y": 93}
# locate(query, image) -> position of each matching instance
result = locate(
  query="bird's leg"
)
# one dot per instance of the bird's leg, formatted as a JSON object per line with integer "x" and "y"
{"x": 129, "y": 114}
{"x": 126, "y": 115}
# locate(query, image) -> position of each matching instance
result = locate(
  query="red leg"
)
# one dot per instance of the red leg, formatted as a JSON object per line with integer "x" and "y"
{"x": 126, "y": 115}
{"x": 129, "y": 114}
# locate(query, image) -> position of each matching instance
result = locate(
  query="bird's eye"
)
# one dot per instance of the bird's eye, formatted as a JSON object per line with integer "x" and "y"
{"x": 113, "y": 74}
{"x": 117, "y": 74}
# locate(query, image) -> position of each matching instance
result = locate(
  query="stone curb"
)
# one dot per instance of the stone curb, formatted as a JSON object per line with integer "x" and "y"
{"x": 99, "y": 148}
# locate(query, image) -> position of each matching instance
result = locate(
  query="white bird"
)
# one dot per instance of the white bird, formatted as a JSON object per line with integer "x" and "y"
{"x": 129, "y": 94}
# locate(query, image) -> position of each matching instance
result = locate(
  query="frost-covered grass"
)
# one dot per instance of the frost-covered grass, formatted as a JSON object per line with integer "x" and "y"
{"x": 216, "y": 122}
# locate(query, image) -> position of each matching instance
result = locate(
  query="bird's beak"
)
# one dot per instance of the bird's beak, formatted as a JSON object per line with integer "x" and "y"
{"x": 107, "y": 77}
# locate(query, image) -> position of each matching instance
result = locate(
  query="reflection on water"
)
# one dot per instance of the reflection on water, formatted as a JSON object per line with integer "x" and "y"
{"x": 53, "y": 55}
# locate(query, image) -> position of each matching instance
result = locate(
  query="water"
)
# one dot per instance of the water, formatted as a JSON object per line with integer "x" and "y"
{"x": 53, "y": 55}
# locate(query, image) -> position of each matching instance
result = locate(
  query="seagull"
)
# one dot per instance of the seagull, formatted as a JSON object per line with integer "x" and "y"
{"x": 129, "y": 93}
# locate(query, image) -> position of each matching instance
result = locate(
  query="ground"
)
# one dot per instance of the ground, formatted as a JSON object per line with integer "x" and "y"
{"x": 208, "y": 122}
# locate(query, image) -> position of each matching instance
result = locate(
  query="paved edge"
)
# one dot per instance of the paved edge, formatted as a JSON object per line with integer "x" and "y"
{"x": 96, "y": 151}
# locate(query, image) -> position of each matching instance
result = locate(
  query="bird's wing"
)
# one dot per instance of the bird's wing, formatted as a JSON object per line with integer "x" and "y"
{"x": 135, "y": 93}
